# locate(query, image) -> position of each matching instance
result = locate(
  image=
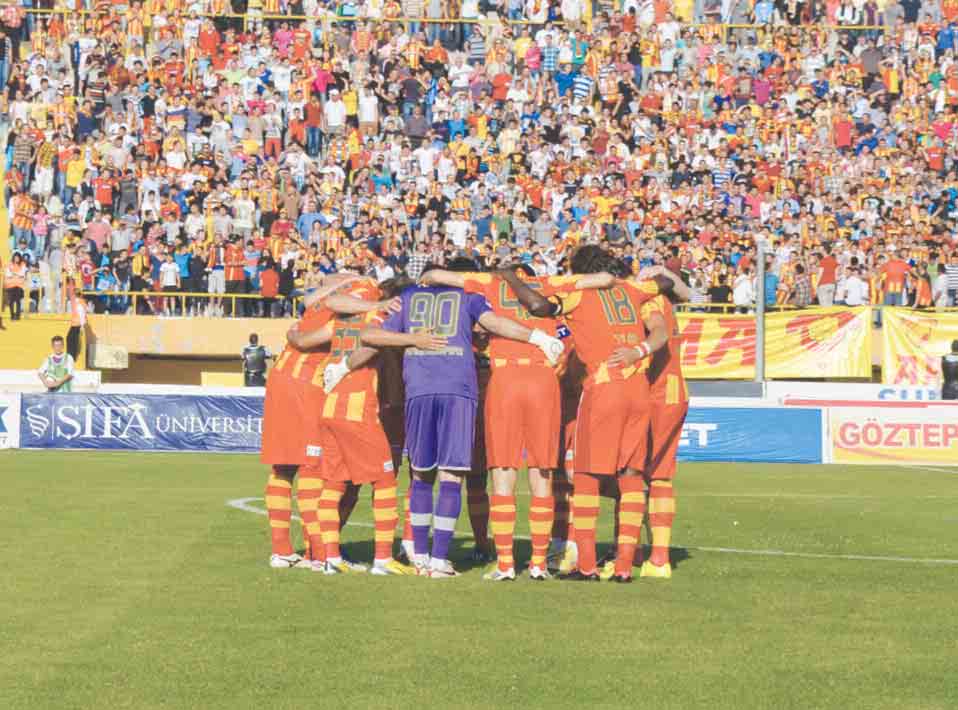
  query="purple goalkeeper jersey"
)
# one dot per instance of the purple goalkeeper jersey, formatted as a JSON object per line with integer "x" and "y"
{"x": 449, "y": 313}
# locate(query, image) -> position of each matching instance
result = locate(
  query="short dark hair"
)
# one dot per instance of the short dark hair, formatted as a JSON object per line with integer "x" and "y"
{"x": 462, "y": 264}
{"x": 253, "y": 339}
{"x": 593, "y": 259}
{"x": 59, "y": 338}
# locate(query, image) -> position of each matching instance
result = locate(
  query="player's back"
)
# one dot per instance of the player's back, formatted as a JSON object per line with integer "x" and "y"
{"x": 504, "y": 351}
{"x": 449, "y": 313}
{"x": 665, "y": 368}
{"x": 306, "y": 366}
{"x": 355, "y": 397}
{"x": 604, "y": 320}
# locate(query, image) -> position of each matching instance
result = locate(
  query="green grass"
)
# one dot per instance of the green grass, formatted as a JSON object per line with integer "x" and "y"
{"x": 128, "y": 583}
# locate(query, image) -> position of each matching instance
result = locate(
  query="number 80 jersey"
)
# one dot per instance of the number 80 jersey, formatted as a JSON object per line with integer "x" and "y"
{"x": 449, "y": 313}
{"x": 602, "y": 321}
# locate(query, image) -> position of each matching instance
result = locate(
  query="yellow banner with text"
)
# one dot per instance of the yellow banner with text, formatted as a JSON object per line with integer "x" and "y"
{"x": 818, "y": 342}
{"x": 913, "y": 343}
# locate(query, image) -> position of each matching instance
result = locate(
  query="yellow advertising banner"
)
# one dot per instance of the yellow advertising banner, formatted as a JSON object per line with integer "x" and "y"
{"x": 913, "y": 343}
{"x": 817, "y": 342}
{"x": 894, "y": 435}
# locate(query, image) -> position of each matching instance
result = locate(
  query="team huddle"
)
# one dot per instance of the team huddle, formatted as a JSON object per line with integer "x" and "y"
{"x": 576, "y": 378}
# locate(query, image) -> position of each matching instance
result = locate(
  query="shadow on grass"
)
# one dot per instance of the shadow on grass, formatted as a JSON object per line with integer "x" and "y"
{"x": 461, "y": 550}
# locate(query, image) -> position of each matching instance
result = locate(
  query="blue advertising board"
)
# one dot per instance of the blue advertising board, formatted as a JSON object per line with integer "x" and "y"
{"x": 235, "y": 424}
{"x": 141, "y": 422}
{"x": 761, "y": 434}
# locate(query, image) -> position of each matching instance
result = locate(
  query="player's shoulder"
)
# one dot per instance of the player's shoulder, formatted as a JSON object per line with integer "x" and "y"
{"x": 316, "y": 317}
{"x": 648, "y": 288}
{"x": 479, "y": 277}
{"x": 366, "y": 289}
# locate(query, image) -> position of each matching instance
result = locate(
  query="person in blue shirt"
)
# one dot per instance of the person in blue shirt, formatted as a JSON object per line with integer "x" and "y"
{"x": 820, "y": 86}
{"x": 564, "y": 79}
{"x": 771, "y": 284}
{"x": 483, "y": 224}
{"x": 457, "y": 126}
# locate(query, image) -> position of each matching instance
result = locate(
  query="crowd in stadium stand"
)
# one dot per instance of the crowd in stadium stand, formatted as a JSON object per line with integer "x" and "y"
{"x": 160, "y": 146}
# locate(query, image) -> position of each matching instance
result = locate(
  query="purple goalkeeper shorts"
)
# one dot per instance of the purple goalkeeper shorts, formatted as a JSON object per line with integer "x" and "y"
{"x": 440, "y": 429}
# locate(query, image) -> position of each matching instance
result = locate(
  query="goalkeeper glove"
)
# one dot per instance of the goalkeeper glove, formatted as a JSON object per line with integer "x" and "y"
{"x": 551, "y": 347}
{"x": 334, "y": 374}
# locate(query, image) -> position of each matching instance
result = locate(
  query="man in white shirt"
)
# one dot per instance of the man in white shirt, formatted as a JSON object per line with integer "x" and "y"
{"x": 244, "y": 211}
{"x": 856, "y": 290}
{"x": 457, "y": 228}
{"x": 743, "y": 292}
{"x": 334, "y": 114}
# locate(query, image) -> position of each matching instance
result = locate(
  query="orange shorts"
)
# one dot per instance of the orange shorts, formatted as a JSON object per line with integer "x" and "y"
{"x": 355, "y": 452}
{"x": 665, "y": 431}
{"x": 612, "y": 429}
{"x": 523, "y": 414}
{"x": 284, "y": 435}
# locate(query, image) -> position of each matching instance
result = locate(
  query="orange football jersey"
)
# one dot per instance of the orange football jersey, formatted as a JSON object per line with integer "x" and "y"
{"x": 665, "y": 370}
{"x": 503, "y": 351}
{"x": 306, "y": 367}
{"x": 355, "y": 397}
{"x": 602, "y": 321}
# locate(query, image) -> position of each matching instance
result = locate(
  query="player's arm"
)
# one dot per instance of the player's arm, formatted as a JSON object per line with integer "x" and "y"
{"x": 441, "y": 277}
{"x": 377, "y": 337}
{"x": 600, "y": 280}
{"x": 351, "y": 305}
{"x": 505, "y": 328}
{"x": 669, "y": 283}
{"x": 333, "y": 283}
{"x": 336, "y": 371}
{"x": 309, "y": 340}
{"x": 658, "y": 337}
{"x": 533, "y": 301}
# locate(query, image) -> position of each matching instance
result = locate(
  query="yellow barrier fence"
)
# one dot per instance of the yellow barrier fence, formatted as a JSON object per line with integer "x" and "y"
{"x": 184, "y": 298}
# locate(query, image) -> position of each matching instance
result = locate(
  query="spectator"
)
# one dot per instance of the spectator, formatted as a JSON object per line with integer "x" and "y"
{"x": 169, "y": 283}
{"x": 14, "y": 281}
{"x": 743, "y": 292}
{"x": 801, "y": 295}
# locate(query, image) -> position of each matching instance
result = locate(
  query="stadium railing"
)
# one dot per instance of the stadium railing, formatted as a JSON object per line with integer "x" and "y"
{"x": 184, "y": 298}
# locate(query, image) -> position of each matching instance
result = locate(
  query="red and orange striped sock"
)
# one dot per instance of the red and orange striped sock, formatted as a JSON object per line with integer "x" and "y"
{"x": 631, "y": 513}
{"x": 385, "y": 517}
{"x": 328, "y": 514}
{"x": 279, "y": 506}
{"x": 502, "y": 518}
{"x": 478, "y": 501}
{"x": 307, "y": 497}
{"x": 585, "y": 498}
{"x": 562, "y": 494}
{"x": 661, "y": 517}
{"x": 541, "y": 515}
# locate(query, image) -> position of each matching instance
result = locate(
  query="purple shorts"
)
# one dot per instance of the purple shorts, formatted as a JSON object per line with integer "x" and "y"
{"x": 440, "y": 429}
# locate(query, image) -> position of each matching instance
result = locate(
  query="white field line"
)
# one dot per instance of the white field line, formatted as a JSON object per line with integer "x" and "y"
{"x": 953, "y": 471}
{"x": 245, "y": 504}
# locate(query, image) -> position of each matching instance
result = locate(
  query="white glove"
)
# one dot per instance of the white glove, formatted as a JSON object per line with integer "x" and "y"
{"x": 551, "y": 347}
{"x": 334, "y": 374}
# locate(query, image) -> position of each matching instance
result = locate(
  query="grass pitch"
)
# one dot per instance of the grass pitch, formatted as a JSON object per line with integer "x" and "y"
{"x": 128, "y": 582}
